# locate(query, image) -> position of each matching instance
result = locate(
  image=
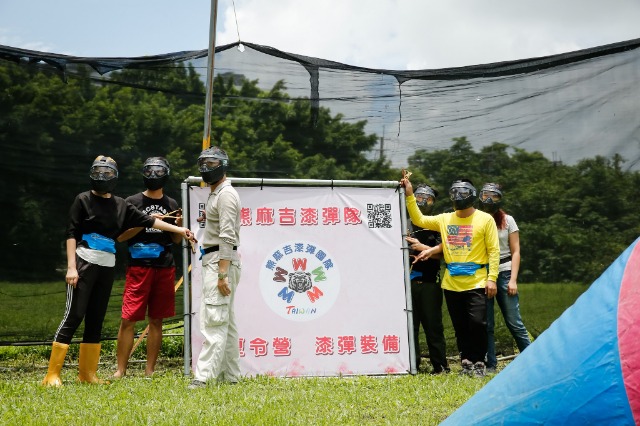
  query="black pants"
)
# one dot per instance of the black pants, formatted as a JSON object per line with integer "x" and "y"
{"x": 88, "y": 301}
{"x": 427, "y": 310}
{"x": 468, "y": 311}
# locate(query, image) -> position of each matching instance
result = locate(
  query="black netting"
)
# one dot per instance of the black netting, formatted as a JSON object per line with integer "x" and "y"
{"x": 286, "y": 115}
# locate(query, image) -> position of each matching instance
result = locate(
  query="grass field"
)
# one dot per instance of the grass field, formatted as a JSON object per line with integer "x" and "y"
{"x": 165, "y": 400}
{"x": 32, "y": 311}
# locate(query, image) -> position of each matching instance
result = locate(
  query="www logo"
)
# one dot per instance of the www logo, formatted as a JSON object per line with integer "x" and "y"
{"x": 300, "y": 281}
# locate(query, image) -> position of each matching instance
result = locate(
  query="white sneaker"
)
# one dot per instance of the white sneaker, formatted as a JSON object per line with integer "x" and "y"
{"x": 195, "y": 384}
{"x": 479, "y": 370}
{"x": 467, "y": 368}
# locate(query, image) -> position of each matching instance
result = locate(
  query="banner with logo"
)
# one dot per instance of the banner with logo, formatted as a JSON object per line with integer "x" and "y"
{"x": 322, "y": 285}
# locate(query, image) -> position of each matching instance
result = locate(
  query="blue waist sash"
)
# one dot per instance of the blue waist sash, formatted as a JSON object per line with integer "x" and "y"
{"x": 457, "y": 269}
{"x": 146, "y": 251}
{"x": 99, "y": 242}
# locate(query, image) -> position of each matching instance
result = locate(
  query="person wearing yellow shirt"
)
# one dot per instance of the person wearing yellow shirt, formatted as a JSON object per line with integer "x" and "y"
{"x": 471, "y": 252}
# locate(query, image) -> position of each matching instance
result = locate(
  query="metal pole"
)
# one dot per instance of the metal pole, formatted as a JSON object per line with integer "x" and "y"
{"x": 186, "y": 297}
{"x": 196, "y": 180}
{"x": 206, "y": 143}
{"x": 413, "y": 356}
{"x": 206, "y": 138}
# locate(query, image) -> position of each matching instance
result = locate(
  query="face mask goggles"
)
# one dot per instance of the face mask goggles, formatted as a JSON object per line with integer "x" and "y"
{"x": 490, "y": 196}
{"x": 460, "y": 193}
{"x": 212, "y": 169}
{"x": 208, "y": 164}
{"x": 154, "y": 171}
{"x": 424, "y": 196}
{"x": 102, "y": 173}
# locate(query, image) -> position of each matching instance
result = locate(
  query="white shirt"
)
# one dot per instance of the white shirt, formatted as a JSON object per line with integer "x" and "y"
{"x": 503, "y": 237}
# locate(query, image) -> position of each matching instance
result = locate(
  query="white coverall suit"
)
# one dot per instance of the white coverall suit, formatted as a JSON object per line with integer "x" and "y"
{"x": 219, "y": 358}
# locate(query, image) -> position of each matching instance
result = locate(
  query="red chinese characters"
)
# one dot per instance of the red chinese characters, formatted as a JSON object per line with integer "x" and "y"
{"x": 287, "y": 216}
{"x": 245, "y": 216}
{"x": 346, "y": 345}
{"x": 368, "y": 344}
{"x": 281, "y": 346}
{"x": 258, "y": 346}
{"x": 352, "y": 216}
{"x": 324, "y": 345}
{"x": 391, "y": 344}
{"x": 306, "y": 216}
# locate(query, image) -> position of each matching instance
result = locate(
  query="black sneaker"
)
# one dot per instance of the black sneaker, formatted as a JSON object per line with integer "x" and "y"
{"x": 438, "y": 369}
{"x": 467, "y": 368}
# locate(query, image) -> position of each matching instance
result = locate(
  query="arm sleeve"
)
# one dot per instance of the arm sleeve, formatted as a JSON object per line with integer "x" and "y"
{"x": 418, "y": 219}
{"x": 135, "y": 218}
{"x": 75, "y": 219}
{"x": 229, "y": 211}
{"x": 493, "y": 248}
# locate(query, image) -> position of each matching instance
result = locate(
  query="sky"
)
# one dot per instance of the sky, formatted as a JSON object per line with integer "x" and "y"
{"x": 384, "y": 34}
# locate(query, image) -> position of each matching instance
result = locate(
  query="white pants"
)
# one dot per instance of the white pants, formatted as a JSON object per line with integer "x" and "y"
{"x": 219, "y": 358}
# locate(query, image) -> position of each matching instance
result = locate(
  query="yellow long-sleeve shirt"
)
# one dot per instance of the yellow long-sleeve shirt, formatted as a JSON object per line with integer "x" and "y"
{"x": 469, "y": 239}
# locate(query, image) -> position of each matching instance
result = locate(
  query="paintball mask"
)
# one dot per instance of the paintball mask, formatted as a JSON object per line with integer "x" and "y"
{"x": 213, "y": 163}
{"x": 490, "y": 198}
{"x": 155, "y": 172}
{"x": 463, "y": 194}
{"x": 425, "y": 198}
{"x": 103, "y": 174}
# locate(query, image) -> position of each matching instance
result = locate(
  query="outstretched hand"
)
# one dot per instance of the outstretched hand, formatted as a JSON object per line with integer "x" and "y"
{"x": 415, "y": 244}
{"x": 189, "y": 235}
{"x": 423, "y": 255}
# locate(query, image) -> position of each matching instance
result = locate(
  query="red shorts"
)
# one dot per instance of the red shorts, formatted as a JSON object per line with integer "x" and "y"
{"x": 152, "y": 287}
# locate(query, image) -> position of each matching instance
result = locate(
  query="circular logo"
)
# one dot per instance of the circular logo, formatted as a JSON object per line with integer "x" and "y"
{"x": 299, "y": 281}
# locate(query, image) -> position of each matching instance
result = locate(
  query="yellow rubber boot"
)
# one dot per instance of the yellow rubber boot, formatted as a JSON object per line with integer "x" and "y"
{"x": 88, "y": 364}
{"x": 56, "y": 361}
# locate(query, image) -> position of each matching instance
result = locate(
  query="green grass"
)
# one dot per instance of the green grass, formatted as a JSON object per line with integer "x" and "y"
{"x": 165, "y": 400}
{"x": 31, "y": 312}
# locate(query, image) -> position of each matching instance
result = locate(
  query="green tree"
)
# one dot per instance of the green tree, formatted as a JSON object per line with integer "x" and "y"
{"x": 51, "y": 130}
{"x": 573, "y": 220}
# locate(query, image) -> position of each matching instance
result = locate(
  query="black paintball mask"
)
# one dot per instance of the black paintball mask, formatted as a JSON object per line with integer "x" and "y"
{"x": 490, "y": 198}
{"x": 103, "y": 174}
{"x": 463, "y": 194}
{"x": 155, "y": 173}
{"x": 425, "y": 198}
{"x": 213, "y": 163}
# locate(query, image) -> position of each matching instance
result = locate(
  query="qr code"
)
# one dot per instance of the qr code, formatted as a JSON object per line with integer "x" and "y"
{"x": 379, "y": 215}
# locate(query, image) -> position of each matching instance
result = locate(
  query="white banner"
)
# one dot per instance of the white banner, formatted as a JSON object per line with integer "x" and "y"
{"x": 322, "y": 285}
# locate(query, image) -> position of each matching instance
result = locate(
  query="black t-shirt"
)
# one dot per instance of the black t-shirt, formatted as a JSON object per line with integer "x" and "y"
{"x": 108, "y": 217}
{"x": 148, "y": 235}
{"x": 430, "y": 267}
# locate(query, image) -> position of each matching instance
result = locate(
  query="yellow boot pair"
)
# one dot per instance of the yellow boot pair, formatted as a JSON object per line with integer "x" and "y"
{"x": 87, "y": 364}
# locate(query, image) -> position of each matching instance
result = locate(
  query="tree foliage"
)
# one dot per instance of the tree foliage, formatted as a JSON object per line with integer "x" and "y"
{"x": 52, "y": 129}
{"x": 574, "y": 220}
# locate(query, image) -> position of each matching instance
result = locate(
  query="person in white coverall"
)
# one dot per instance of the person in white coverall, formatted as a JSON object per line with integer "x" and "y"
{"x": 219, "y": 358}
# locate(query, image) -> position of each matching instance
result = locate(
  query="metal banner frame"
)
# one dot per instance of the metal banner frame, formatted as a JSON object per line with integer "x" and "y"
{"x": 196, "y": 181}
